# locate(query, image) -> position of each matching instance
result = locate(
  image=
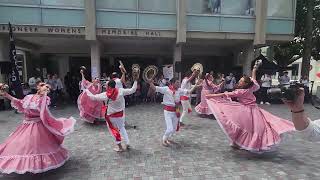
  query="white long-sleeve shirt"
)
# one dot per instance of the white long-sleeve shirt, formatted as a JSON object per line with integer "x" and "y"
{"x": 312, "y": 132}
{"x": 168, "y": 98}
{"x": 186, "y": 85}
{"x": 114, "y": 106}
{"x": 266, "y": 81}
{"x": 118, "y": 83}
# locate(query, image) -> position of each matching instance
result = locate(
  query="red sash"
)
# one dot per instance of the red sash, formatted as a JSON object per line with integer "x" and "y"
{"x": 176, "y": 110}
{"x": 113, "y": 130}
{"x": 184, "y": 98}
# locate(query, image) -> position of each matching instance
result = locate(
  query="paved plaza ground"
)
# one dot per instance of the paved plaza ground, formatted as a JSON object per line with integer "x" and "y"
{"x": 202, "y": 151}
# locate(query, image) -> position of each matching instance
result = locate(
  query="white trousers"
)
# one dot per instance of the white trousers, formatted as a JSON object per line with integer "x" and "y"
{"x": 171, "y": 123}
{"x": 185, "y": 106}
{"x": 119, "y": 124}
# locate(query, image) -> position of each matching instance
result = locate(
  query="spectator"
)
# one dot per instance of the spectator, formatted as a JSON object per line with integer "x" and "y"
{"x": 59, "y": 87}
{"x": 32, "y": 85}
{"x": 305, "y": 81}
{"x": 74, "y": 88}
{"x": 162, "y": 81}
{"x": 26, "y": 89}
{"x": 137, "y": 94}
{"x": 284, "y": 79}
{"x": 67, "y": 82}
{"x": 266, "y": 82}
{"x": 230, "y": 82}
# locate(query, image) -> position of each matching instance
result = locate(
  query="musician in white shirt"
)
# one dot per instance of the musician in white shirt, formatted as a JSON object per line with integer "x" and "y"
{"x": 115, "y": 102}
{"x": 309, "y": 129}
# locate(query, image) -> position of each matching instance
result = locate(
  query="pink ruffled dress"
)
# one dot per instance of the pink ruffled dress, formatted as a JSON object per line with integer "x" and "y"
{"x": 89, "y": 109}
{"x": 207, "y": 88}
{"x": 36, "y": 145}
{"x": 247, "y": 125}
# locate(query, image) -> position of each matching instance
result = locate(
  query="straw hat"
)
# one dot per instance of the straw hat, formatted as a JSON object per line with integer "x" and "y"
{"x": 149, "y": 73}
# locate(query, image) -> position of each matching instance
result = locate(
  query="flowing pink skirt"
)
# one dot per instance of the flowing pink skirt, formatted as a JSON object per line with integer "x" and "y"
{"x": 248, "y": 126}
{"x": 202, "y": 107}
{"x": 89, "y": 109}
{"x": 32, "y": 148}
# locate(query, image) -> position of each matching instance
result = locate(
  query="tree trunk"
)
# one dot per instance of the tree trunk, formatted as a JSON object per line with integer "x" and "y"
{"x": 307, "y": 46}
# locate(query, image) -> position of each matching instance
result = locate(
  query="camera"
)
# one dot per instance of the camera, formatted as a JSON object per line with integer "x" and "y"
{"x": 287, "y": 92}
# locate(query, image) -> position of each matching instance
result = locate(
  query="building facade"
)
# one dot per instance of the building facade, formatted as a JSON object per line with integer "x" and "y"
{"x": 59, "y": 36}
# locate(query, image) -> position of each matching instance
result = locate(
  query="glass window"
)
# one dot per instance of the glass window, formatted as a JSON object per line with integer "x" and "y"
{"x": 157, "y": 5}
{"x": 197, "y": 6}
{"x": 232, "y": 7}
{"x": 116, "y": 4}
{"x": 238, "y": 7}
{"x": 280, "y": 8}
{"x": 68, "y": 3}
{"x": 34, "y": 2}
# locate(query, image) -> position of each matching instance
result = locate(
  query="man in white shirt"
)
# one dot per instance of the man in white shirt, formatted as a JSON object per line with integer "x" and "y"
{"x": 309, "y": 129}
{"x": 230, "y": 83}
{"x": 185, "y": 98}
{"x": 266, "y": 82}
{"x": 171, "y": 100}
{"x": 284, "y": 79}
{"x": 115, "y": 102}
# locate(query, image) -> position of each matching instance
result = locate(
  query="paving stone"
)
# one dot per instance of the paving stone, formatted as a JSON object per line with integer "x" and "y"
{"x": 202, "y": 152}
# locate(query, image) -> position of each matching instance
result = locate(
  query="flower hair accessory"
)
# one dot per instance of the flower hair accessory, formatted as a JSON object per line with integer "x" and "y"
{"x": 3, "y": 87}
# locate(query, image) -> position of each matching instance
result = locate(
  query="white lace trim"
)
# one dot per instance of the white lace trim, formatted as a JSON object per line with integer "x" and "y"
{"x": 34, "y": 171}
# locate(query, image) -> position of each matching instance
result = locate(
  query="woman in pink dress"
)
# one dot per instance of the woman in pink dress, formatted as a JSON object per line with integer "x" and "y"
{"x": 247, "y": 126}
{"x": 208, "y": 87}
{"x": 36, "y": 145}
{"x": 90, "y": 110}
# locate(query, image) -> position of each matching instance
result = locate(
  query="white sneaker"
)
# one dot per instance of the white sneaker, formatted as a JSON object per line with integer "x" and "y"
{"x": 267, "y": 103}
{"x": 261, "y": 103}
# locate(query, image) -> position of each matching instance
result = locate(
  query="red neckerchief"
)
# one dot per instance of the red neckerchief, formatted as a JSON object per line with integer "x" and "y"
{"x": 172, "y": 89}
{"x": 112, "y": 93}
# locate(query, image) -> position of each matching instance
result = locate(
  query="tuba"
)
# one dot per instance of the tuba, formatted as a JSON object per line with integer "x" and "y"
{"x": 149, "y": 73}
{"x": 135, "y": 71}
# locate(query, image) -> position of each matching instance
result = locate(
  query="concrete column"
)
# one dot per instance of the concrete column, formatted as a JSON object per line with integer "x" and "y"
{"x": 181, "y": 21}
{"x": 248, "y": 57}
{"x": 95, "y": 59}
{"x": 177, "y": 55}
{"x": 4, "y": 54}
{"x": 261, "y": 18}
{"x": 90, "y": 18}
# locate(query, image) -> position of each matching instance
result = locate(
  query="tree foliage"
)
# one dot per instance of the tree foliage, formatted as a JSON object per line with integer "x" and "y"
{"x": 287, "y": 53}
